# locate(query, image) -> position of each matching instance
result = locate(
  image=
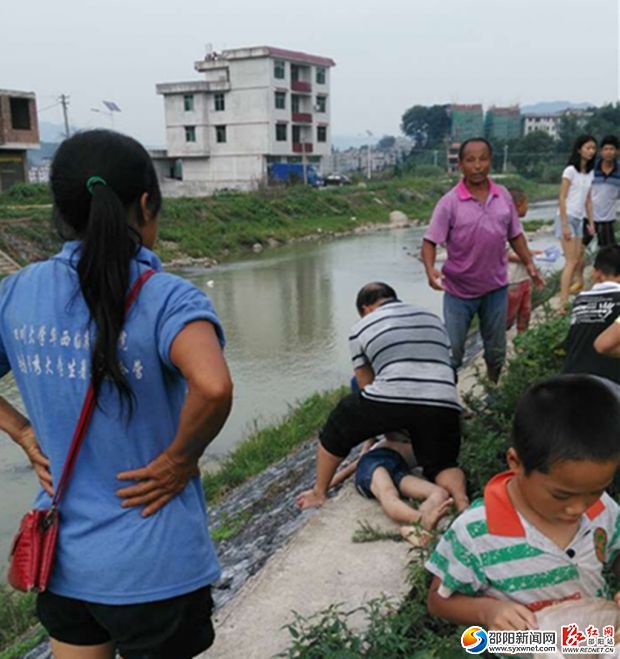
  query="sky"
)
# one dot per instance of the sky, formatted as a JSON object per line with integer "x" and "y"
{"x": 389, "y": 55}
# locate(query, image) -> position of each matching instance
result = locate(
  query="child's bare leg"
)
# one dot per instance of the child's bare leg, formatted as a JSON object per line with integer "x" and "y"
{"x": 420, "y": 489}
{"x": 384, "y": 490}
{"x": 437, "y": 501}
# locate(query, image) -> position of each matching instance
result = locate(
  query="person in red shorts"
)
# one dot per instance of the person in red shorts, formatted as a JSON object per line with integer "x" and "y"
{"x": 519, "y": 281}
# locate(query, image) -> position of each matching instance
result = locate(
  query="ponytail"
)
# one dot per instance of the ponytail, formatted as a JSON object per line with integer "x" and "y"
{"x": 108, "y": 244}
{"x": 97, "y": 179}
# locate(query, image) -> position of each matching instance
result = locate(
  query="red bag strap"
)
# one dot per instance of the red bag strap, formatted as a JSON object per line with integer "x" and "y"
{"x": 89, "y": 405}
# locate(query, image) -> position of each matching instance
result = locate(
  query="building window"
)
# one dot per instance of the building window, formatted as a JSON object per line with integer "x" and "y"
{"x": 295, "y": 103}
{"x": 190, "y": 133}
{"x": 296, "y": 134}
{"x": 321, "y": 133}
{"x": 20, "y": 114}
{"x": 219, "y": 103}
{"x": 220, "y": 134}
{"x": 280, "y": 100}
{"x": 321, "y": 103}
{"x": 188, "y": 102}
{"x": 321, "y": 75}
{"x": 280, "y": 132}
{"x": 278, "y": 70}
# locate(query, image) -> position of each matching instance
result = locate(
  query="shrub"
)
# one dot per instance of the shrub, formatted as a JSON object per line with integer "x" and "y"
{"x": 32, "y": 193}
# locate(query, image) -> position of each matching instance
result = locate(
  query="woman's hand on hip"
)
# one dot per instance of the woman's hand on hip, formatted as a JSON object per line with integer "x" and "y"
{"x": 158, "y": 483}
{"x": 41, "y": 465}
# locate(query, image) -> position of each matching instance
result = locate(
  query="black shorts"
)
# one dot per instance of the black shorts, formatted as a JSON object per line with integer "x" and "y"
{"x": 586, "y": 237}
{"x": 175, "y": 628}
{"x": 435, "y": 431}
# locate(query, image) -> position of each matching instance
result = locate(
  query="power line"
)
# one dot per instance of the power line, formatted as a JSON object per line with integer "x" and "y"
{"x": 48, "y": 107}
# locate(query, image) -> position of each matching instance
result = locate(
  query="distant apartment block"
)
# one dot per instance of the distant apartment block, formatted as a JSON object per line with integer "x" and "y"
{"x": 254, "y": 106}
{"x": 467, "y": 121}
{"x": 503, "y": 124}
{"x": 547, "y": 123}
{"x": 19, "y": 131}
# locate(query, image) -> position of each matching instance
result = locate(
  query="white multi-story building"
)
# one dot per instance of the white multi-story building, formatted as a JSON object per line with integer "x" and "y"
{"x": 548, "y": 123}
{"x": 255, "y": 106}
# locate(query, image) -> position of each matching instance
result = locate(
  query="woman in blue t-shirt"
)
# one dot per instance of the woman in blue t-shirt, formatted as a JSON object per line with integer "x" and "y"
{"x": 134, "y": 560}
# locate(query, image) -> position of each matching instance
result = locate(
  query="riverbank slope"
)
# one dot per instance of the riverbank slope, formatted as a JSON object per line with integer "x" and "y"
{"x": 228, "y": 224}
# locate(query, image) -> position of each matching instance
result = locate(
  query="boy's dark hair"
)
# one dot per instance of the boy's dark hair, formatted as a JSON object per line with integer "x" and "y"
{"x": 609, "y": 140}
{"x": 608, "y": 262}
{"x": 474, "y": 139}
{"x": 575, "y": 157}
{"x": 518, "y": 195}
{"x": 101, "y": 217}
{"x": 372, "y": 292}
{"x": 568, "y": 417}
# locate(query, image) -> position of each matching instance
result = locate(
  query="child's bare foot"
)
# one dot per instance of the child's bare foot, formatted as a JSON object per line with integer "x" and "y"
{"x": 310, "y": 499}
{"x": 429, "y": 518}
{"x": 415, "y": 536}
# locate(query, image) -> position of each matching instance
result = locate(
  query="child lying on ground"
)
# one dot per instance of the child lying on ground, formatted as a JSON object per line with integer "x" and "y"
{"x": 546, "y": 529}
{"x": 383, "y": 472}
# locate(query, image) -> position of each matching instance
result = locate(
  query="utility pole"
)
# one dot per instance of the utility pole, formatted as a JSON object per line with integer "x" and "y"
{"x": 369, "y": 173}
{"x": 505, "y": 165}
{"x": 64, "y": 101}
{"x": 304, "y": 163}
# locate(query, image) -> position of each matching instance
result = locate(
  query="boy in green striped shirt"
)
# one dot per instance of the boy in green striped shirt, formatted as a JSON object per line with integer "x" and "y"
{"x": 544, "y": 531}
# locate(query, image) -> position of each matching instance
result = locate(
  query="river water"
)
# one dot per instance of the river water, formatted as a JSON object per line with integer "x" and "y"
{"x": 286, "y": 315}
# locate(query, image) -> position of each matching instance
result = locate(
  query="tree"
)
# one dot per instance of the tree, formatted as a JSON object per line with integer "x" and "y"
{"x": 533, "y": 154}
{"x": 426, "y": 126}
{"x": 386, "y": 142}
{"x": 604, "y": 121}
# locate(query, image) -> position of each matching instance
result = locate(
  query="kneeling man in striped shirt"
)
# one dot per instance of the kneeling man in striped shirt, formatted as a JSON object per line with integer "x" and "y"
{"x": 401, "y": 357}
{"x": 545, "y": 530}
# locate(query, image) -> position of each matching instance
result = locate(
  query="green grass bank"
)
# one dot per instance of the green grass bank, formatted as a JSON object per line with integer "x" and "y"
{"x": 228, "y": 224}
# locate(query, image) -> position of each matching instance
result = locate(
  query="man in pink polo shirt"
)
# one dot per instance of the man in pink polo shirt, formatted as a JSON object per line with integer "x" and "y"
{"x": 474, "y": 220}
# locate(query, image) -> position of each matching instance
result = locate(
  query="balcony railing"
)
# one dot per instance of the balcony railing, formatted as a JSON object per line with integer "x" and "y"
{"x": 301, "y": 147}
{"x": 302, "y": 117}
{"x": 301, "y": 86}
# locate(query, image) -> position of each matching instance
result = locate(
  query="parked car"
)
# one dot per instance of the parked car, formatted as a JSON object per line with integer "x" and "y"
{"x": 286, "y": 172}
{"x": 337, "y": 179}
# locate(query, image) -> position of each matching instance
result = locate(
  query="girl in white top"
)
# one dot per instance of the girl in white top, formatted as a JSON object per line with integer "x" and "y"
{"x": 575, "y": 205}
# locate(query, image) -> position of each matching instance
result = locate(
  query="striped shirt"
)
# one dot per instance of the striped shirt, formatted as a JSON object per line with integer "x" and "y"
{"x": 409, "y": 352}
{"x": 492, "y": 550}
{"x": 593, "y": 312}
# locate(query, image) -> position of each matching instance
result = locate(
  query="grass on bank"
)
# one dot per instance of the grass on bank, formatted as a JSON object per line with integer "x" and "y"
{"x": 265, "y": 447}
{"x": 404, "y": 629}
{"x": 229, "y": 223}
